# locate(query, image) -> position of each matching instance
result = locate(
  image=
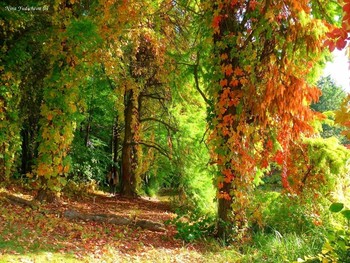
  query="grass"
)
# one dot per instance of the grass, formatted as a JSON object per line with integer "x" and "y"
{"x": 277, "y": 248}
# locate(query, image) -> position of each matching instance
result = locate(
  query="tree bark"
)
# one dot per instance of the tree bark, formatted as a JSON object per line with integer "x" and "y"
{"x": 224, "y": 212}
{"x": 45, "y": 195}
{"x": 229, "y": 23}
{"x": 129, "y": 152}
{"x": 116, "y": 143}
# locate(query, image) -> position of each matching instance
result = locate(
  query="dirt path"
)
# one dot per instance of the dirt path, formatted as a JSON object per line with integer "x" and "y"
{"x": 44, "y": 229}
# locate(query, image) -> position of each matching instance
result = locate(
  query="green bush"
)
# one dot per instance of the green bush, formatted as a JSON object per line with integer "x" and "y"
{"x": 272, "y": 211}
{"x": 194, "y": 226}
{"x": 336, "y": 247}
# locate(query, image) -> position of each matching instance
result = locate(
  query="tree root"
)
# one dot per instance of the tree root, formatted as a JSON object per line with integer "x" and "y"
{"x": 20, "y": 201}
{"x": 115, "y": 219}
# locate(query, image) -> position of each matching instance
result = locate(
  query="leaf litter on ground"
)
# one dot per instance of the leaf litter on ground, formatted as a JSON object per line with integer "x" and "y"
{"x": 43, "y": 234}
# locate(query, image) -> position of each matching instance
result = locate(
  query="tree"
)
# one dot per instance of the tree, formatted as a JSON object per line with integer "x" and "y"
{"x": 330, "y": 101}
{"x": 71, "y": 36}
{"x": 22, "y": 59}
{"x": 263, "y": 52}
{"x": 342, "y": 117}
{"x": 141, "y": 84}
{"x": 332, "y": 95}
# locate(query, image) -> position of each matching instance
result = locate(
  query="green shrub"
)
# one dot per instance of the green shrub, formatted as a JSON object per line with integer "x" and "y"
{"x": 272, "y": 211}
{"x": 194, "y": 226}
{"x": 337, "y": 245}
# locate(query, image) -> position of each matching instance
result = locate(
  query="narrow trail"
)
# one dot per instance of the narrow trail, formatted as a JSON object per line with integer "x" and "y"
{"x": 45, "y": 229}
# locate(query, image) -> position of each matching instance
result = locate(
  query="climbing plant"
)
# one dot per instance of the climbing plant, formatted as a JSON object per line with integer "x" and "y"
{"x": 264, "y": 53}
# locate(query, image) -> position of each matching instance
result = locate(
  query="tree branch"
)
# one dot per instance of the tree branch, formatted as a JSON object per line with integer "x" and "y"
{"x": 153, "y": 145}
{"x": 196, "y": 79}
{"x": 160, "y": 121}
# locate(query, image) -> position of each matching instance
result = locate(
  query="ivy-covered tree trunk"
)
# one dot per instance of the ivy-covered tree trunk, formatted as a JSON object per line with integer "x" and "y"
{"x": 72, "y": 41}
{"x": 9, "y": 125}
{"x": 261, "y": 94}
{"x": 129, "y": 182}
{"x": 228, "y": 218}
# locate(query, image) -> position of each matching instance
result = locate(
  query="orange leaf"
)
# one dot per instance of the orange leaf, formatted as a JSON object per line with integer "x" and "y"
{"x": 224, "y": 195}
{"x": 223, "y": 82}
{"x": 228, "y": 70}
{"x": 238, "y": 72}
{"x": 234, "y": 82}
{"x": 269, "y": 144}
{"x": 220, "y": 185}
{"x": 228, "y": 175}
{"x": 228, "y": 119}
{"x": 253, "y": 4}
{"x": 224, "y": 56}
{"x": 243, "y": 81}
{"x": 216, "y": 21}
{"x": 50, "y": 117}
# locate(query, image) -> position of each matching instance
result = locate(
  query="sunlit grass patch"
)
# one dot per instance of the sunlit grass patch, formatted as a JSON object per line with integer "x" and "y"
{"x": 52, "y": 257}
{"x": 275, "y": 247}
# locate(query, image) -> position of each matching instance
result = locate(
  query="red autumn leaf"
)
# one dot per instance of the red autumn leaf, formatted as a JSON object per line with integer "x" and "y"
{"x": 279, "y": 158}
{"x": 216, "y": 21}
{"x": 234, "y": 2}
{"x": 264, "y": 164}
{"x": 269, "y": 144}
{"x": 253, "y": 4}
{"x": 341, "y": 43}
{"x": 346, "y": 8}
{"x": 330, "y": 44}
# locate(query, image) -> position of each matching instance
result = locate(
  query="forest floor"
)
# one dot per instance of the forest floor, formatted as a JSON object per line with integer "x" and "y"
{"x": 43, "y": 234}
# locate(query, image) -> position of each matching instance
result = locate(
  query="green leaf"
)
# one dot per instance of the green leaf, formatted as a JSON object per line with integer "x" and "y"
{"x": 346, "y": 213}
{"x": 336, "y": 207}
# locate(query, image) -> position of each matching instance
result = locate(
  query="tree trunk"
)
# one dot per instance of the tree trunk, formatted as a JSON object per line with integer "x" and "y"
{"x": 2, "y": 162}
{"x": 229, "y": 23}
{"x": 224, "y": 213}
{"x": 45, "y": 195}
{"x": 129, "y": 152}
{"x": 116, "y": 143}
{"x": 25, "y": 146}
{"x": 28, "y": 148}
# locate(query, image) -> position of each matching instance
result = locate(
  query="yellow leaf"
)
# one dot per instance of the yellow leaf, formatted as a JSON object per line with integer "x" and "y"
{"x": 66, "y": 169}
